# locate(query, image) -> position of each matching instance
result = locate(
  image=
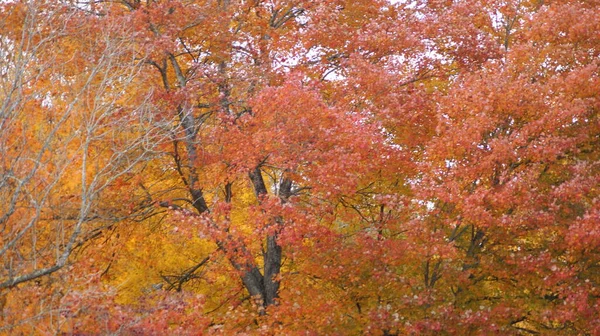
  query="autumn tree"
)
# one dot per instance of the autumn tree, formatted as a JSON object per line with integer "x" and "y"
{"x": 67, "y": 133}
{"x": 243, "y": 114}
{"x": 508, "y": 179}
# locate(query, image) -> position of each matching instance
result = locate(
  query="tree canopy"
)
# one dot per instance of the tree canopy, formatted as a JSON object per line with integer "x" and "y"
{"x": 300, "y": 167}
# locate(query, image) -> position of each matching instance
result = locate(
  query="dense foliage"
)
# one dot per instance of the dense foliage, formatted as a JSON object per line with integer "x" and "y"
{"x": 277, "y": 167}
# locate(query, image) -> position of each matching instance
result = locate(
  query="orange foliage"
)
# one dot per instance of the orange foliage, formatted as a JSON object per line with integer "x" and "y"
{"x": 290, "y": 167}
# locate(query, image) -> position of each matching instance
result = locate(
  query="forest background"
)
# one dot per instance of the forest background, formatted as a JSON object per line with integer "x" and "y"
{"x": 277, "y": 167}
